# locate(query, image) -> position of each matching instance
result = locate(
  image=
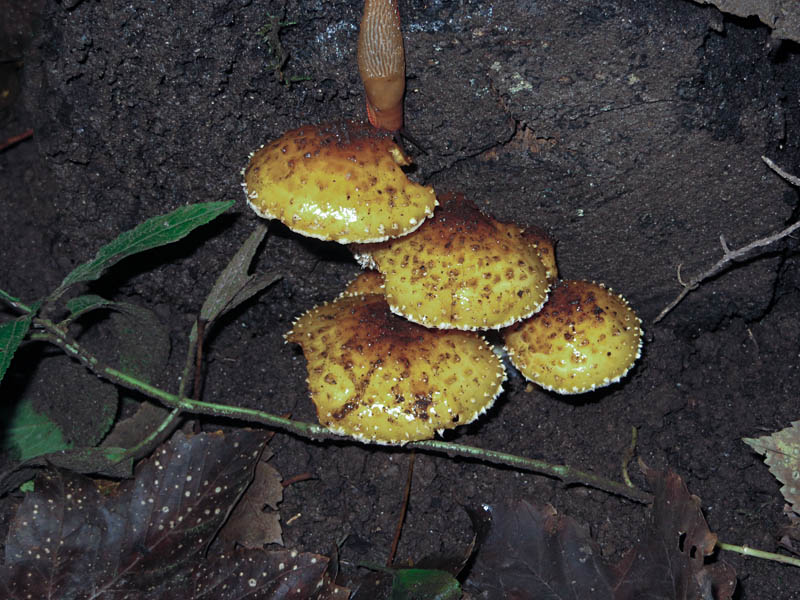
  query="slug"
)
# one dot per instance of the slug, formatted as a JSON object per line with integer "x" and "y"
{"x": 381, "y": 63}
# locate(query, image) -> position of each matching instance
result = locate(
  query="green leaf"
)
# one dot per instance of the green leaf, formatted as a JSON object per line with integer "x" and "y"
{"x": 414, "y": 584}
{"x": 27, "y": 487}
{"x": 11, "y": 336}
{"x": 153, "y": 233}
{"x": 80, "y": 305}
{"x": 28, "y": 433}
{"x": 234, "y": 286}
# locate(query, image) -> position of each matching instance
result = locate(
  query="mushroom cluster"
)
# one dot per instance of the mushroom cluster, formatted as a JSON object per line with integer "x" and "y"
{"x": 400, "y": 354}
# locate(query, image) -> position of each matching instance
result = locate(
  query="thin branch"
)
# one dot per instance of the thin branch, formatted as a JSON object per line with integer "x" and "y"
{"x": 793, "y": 179}
{"x": 16, "y": 139}
{"x": 748, "y": 551}
{"x": 567, "y": 474}
{"x": 729, "y": 256}
{"x": 398, "y": 530}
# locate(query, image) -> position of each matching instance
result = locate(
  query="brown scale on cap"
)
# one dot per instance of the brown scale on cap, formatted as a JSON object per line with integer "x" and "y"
{"x": 584, "y": 337}
{"x": 379, "y": 378}
{"x": 461, "y": 270}
{"x": 337, "y": 181}
{"x": 545, "y": 247}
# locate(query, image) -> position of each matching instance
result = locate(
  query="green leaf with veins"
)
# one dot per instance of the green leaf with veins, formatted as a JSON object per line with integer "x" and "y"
{"x": 11, "y": 336}
{"x": 28, "y": 433}
{"x": 155, "y": 232}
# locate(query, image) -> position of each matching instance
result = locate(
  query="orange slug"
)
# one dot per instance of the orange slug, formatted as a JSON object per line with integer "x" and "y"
{"x": 382, "y": 64}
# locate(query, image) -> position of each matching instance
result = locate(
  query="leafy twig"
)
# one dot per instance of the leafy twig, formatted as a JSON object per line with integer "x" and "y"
{"x": 565, "y": 473}
{"x": 729, "y": 256}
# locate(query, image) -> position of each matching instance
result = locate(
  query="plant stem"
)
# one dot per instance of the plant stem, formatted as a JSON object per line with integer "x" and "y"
{"x": 567, "y": 474}
{"x": 154, "y": 437}
{"x": 747, "y": 551}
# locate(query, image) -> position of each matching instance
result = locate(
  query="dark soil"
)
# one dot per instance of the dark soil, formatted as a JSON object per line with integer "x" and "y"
{"x": 632, "y": 130}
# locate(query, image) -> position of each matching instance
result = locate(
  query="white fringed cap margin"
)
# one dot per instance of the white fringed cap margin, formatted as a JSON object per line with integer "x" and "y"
{"x": 462, "y": 269}
{"x": 585, "y": 337}
{"x": 338, "y": 181}
{"x": 379, "y": 378}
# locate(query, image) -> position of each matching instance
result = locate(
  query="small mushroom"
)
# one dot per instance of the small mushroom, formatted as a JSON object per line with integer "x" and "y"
{"x": 585, "y": 337}
{"x": 461, "y": 270}
{"x": 337, "y": 181}
{"x": 379, "y": 378}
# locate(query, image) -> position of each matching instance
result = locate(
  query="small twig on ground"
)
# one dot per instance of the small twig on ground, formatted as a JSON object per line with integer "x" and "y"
{"x": 628, "y": 456}
{"x": 16, "y": 139}
{"x": 729, "y": 256}
{"x": 403, "y": 509}
{"x": 747, "y": 551}
{"x": 296, "y": 479}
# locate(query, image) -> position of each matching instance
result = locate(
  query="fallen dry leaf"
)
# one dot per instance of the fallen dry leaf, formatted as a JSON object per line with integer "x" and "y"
{"x": 254, "y": 574}
{"x": 531, "y": 552}
{"x": 782, "y": 455}
{"x": 670, "y": 561}
{"x": 68, "y": 540}
{"x": 256, "y": 521}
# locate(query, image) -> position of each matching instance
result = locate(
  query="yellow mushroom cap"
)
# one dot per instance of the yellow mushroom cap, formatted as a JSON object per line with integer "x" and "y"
{"x": 546, "y": 248}
{"x": 461, "y": 270}
{"x": 367, "y": 282}
{"x": 584, "y": 337}
{"x": 379, "y": 378}
{"x": 337, "y": 181}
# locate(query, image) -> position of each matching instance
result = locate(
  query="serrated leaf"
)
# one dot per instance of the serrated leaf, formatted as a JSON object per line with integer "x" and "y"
{"x": 56, "y": 380}
{"x": 11, "y": 335}
{"x": 782, "y": 455}
{"x": 155, "y": 232}
{"x": 234, "y": 286}
{"x": 149, "y": 533}
{"x": 28, "y": 433}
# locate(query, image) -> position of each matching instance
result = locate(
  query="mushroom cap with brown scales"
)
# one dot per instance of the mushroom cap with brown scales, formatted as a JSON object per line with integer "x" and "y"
{"x": 585, "y": 337}
{"x": 379, "y": 378}
{"x": 337, "y": 181}
{"x": 367, "y": 282}
{"x": 546, "y": 248}
{"x": 461, "y": 270}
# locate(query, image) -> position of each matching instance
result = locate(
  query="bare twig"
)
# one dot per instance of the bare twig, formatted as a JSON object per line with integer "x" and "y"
{"x": 398, "y": 530}
{"x": 16, "y": 139}
{"x": 729, "y": 256}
